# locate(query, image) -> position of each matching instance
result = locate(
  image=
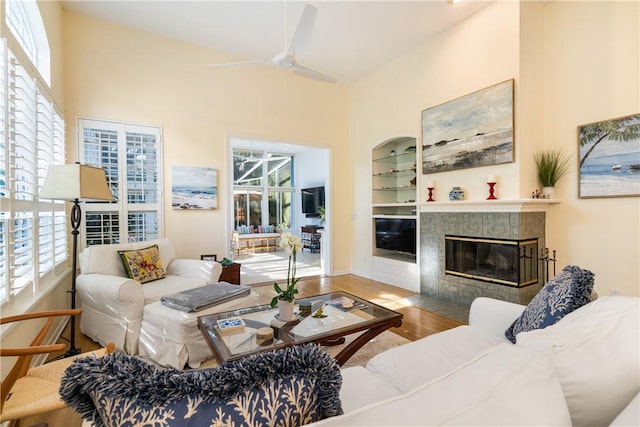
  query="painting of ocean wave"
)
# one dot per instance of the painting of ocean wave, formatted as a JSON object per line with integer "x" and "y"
{"x": 471, "y": 131}
{"x": 610, "y": 158}
{"x": 194, "y": 188}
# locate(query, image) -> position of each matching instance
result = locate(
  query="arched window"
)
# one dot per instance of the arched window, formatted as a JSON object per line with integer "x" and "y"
{"x": 25, "y": 22}
{"x": 33, "y": 231}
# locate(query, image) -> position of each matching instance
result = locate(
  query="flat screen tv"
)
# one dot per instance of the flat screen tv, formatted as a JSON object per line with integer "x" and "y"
{"x": 396, "y": 234}
{"x": 312, "y": 199}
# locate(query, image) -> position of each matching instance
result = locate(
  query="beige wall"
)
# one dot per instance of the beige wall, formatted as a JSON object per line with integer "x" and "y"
{"x": 113, "y": 72}
{"x": 480, "y": 52}
{"x": 592, "y": 73}
{"x": 573, "y": 63}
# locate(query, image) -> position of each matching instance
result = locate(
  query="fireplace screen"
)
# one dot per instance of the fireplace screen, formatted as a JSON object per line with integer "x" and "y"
{"x": 508, "y": 262}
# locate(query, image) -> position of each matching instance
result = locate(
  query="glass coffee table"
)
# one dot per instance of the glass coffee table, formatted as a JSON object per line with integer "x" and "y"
{"x": 342, "y": 314}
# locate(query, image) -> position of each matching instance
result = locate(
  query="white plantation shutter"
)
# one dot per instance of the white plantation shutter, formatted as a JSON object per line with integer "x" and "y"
{"x": 60, "y": 246}
{"x": 4, "y": 288}
{"x": 131, "y": 157}
{"x": 33, "y": 233}
{"x": 43, "y": 160}
{"x": 52, "y": 246}
{"x": 22, "y": 134}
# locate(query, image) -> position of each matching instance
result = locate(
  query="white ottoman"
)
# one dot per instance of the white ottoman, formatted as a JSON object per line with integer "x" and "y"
{"x": 171, "y": 337}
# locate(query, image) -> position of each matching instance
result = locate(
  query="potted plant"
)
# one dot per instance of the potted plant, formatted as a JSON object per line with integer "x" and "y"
{"x": 322, "y": 212}
{"x": 552, "y": 165}
{"x": 286, "y": 295}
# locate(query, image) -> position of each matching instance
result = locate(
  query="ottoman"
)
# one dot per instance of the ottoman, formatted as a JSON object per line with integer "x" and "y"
{"x": 171, "y": 337}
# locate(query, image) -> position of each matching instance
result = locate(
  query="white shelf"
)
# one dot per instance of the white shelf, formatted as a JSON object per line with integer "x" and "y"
{"x": 398, "y": 216}
{"x": 393, "y": 205}
{"x": 499, "y": 205}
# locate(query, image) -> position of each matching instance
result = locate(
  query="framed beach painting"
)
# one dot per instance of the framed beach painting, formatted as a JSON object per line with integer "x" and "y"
{"x": 609, "y": 158}
{"x": 194, "y": 188}
{"x": 471, "y": 131}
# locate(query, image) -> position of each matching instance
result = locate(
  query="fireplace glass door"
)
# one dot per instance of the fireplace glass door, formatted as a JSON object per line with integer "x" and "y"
{"x": 507, "y": 262}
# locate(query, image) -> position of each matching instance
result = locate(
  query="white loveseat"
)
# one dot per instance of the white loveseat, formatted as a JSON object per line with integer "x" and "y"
{"x": 582, "y": 371}
{"x": 113, "y": 304}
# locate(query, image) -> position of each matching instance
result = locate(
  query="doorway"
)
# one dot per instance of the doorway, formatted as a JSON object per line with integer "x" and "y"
{"x": 265, "y": 196}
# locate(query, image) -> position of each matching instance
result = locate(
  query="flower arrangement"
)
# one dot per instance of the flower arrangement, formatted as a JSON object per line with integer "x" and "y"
{"x": 292, "y": 245}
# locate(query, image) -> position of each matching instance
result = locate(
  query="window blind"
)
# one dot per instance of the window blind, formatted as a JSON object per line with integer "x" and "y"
{"x": 131, "y": 157}
{"x": 33, "y": 232}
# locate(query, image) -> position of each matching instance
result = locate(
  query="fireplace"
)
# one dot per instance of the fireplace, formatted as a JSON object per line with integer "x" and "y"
{"x": 502, "y": 261}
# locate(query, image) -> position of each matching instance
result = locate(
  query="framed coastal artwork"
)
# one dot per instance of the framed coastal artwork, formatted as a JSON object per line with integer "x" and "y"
{"x": 194, "y": 188}
{"x": 609, "y": 158}
{"x": 471, "y": 131}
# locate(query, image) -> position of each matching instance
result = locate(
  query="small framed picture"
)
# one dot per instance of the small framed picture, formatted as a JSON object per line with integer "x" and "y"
{"x": 230, "y": 325}
{"x": 212, "y": 257}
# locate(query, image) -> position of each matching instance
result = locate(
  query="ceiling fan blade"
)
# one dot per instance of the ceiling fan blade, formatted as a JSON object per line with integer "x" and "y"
{"x": 302, "y": 36}
{"x": 303, "y": 71}
{"x": 236, "y": 64}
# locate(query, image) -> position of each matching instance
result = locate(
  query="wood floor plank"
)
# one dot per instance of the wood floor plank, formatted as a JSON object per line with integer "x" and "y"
{"x": 416, "y": 324}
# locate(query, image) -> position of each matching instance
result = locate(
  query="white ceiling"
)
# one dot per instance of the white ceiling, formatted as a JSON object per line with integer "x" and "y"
{"x": 350, "y": 38}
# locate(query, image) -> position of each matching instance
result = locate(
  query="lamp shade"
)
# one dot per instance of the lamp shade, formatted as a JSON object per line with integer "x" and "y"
{"x": 75, "y": 181}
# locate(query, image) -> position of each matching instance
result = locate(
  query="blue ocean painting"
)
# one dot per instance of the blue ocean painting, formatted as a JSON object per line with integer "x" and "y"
{"x": 194, "y": 188}
{"x": 612, "y": 168}
{"x": 470, "y": 131}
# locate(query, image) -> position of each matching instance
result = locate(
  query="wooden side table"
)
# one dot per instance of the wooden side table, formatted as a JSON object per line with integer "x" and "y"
{"x": 231, "y": 273}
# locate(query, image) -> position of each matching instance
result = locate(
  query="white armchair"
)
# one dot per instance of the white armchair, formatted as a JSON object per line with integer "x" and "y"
{"x": 113, "y": 304}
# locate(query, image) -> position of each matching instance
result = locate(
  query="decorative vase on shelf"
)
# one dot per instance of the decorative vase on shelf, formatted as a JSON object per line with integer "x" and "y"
{"x": 285, "y": 310}
{"x": 547, "y": 192}
{"x": 456, "y": 194}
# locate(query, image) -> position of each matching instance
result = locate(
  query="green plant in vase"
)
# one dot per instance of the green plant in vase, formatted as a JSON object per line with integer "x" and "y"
{"x": 552, "y": 165}
{"x": 322, "y": 212}
{"x": 286, "y": 294}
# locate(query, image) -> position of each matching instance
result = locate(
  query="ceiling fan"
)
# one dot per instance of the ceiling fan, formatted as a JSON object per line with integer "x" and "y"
{"x": 299, "y": 43}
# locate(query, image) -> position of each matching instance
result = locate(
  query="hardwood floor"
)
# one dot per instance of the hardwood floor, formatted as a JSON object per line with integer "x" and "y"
{"x": 416, "y": 324}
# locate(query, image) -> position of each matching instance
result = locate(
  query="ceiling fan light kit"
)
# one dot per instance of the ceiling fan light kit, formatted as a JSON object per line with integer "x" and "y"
{"x": 299, "y": 42}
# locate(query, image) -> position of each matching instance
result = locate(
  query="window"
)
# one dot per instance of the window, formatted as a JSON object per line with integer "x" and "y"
{"x": 33, "y": 232}
{"x": 263, "y": 187}
{"x": 130, "y": 155}
{"x": 24, "y": 20}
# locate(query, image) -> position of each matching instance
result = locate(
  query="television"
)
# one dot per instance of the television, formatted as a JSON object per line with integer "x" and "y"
{"x": 396, "y": 234}
{"x": 312, "y": 199}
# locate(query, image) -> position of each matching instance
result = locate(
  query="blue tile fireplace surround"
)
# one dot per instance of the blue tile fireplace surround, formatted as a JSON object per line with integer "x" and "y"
{"x": 508, "y": 226}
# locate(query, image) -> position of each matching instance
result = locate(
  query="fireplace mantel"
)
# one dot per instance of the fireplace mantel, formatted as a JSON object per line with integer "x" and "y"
{"x": 499, "y": 205}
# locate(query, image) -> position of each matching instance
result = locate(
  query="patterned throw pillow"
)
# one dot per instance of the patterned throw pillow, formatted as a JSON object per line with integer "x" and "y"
{"x": 143, "y": 265}
{"x": 566, "y": 292}
{"x": 288, "y": 387}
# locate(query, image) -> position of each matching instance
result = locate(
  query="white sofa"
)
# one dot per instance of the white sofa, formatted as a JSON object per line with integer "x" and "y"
{"x": 582, "y": 371}
{"x": 113, "y": 304}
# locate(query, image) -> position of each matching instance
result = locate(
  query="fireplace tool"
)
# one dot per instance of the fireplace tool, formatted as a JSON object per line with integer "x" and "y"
{"x": 546, "y": 260}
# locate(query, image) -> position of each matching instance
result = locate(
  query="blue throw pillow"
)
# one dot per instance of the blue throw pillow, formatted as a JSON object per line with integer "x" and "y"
{"x": 288, "y": 387}
{"x": 566, "y": 292}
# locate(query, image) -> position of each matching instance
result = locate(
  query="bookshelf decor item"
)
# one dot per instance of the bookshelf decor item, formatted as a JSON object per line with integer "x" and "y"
{"x": 491, "y": 182}
{"x": 231, "y": 325}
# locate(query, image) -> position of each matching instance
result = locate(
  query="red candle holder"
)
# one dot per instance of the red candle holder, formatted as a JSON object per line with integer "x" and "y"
{"x": 492, "y": 195}
{"x": 431, "y": 199}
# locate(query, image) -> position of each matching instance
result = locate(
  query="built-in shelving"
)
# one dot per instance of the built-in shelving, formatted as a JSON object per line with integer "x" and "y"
{"x": 394, "y": 179}
{"x": 394, "y": 212}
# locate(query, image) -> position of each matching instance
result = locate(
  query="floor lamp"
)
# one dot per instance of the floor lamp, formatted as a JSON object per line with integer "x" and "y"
{"x": 75, "y": 183}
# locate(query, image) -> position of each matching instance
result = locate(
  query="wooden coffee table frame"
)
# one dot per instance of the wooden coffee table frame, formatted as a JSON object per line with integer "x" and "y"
{"x": 382, "y": 319}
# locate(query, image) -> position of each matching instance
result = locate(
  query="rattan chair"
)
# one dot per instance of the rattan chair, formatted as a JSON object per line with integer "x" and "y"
{"x": 29, "y": 391}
